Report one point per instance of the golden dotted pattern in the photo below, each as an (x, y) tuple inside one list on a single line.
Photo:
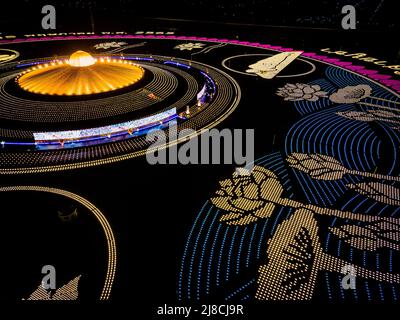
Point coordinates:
[(61, 78), (371, 237), (295, 257), (380, 192), (163, 84), (225, 102), (111, 245), (68, 291), (247, 198), (323, 167)]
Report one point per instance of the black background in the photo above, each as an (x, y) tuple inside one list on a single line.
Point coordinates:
[(151, 208)]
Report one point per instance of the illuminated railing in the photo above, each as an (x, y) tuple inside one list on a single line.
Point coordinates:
[(99, 135), (121, 131), (106, 132)]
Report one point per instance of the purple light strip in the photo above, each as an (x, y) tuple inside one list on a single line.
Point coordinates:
[(384, 79)]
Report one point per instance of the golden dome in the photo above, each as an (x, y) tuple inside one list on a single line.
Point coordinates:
[(80, 75), (81, 59)]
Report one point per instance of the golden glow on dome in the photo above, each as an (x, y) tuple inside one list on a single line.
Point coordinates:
[(80, 75), (81, 59)]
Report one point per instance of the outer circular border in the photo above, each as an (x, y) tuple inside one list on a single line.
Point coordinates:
[(111, 245), (9, 50)]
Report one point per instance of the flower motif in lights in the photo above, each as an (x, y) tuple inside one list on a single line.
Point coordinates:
[(357, 115), (246, 197), (301, 91), (292, 267), (317, 166), (385, 115), (351, 94), (371, 237), (253, 195), (296, 257), (323, 167), (380, 192), (190, 46)]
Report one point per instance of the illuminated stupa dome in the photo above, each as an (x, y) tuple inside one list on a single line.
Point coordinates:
[(81, 74), (81, 59)]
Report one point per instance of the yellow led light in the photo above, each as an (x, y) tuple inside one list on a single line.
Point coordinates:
[(108, 233), (81, 59), (80, 75)]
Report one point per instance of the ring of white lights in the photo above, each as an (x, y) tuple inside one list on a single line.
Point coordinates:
[(32, 154), (163, 84)]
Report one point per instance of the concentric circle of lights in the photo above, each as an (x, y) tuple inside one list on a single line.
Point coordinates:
[(192, 112), (81, 74)]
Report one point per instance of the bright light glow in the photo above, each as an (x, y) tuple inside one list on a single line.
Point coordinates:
[(80, 75), (81, 59), (82, 134)]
